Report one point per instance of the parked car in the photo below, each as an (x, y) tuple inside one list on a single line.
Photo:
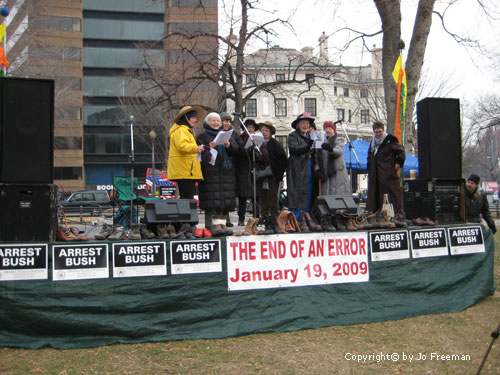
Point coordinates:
[(87, 201), (360, 197)]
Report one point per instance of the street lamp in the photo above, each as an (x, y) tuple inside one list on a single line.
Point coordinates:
[(152, 135)]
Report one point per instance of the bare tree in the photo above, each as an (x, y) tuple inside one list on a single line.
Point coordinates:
[(205, 68)]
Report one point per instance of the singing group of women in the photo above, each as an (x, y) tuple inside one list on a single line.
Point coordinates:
[(224, 172)]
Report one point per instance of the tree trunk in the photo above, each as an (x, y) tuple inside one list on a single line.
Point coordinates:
[(390, 15), (414, 63), (240, 58)]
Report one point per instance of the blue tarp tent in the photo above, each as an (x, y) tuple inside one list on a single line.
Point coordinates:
[(361, 148)]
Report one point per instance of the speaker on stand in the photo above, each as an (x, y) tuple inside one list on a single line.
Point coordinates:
[(27, 192), (439, 138)]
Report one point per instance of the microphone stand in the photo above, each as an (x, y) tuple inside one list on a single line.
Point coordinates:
[(132, 160), (253, 167), (351, 148)]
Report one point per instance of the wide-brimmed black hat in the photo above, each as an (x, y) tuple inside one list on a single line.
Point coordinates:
[(269, 125), (303, 116), (200, 112), (252, 122)]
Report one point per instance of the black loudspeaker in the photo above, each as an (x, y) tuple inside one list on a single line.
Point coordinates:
[(441, 200), (330, 204), (165, 211), (29, 213), (439, 138), (26, 130)]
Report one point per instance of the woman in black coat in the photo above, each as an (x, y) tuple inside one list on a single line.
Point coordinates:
[(300, 166), (217, 190), (244, 176), (274, 156)]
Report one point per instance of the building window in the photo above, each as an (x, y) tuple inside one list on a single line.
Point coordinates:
[(365, 114), (251, 108), (67, 173), (349, 114), (346, 92), (363, 93), (340, 114), (193, 3), (56, 53), (68, 143), (310, 106), (191, 27), (68, 83), (280, 77), (280, 107), (251, 78), (335, 90), (67, 112), (310, 78), (61, 23)]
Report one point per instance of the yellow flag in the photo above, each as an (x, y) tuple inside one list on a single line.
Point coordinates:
[(399, 76), (3, 28)]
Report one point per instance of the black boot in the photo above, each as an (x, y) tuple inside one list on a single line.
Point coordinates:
[(267, 226), (326, 223), (274, 225), (338, 221)]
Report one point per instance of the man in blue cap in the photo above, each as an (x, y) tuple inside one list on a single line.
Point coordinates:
[(476, 204)]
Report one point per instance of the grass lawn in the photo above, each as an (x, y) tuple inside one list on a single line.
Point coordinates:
[(426, 339)]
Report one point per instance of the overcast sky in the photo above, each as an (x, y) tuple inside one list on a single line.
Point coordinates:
[(470, 73)]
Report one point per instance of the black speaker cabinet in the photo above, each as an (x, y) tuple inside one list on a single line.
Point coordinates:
[(441, 200), (330, 204), (26, 130), (165, 211), (29, 213), (439, 138)]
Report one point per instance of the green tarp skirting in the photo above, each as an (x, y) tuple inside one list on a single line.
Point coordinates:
[(76, 314)]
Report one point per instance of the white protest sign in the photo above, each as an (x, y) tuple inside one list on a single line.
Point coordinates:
[(260, 262)]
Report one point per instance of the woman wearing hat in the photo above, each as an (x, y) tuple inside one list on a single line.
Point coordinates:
[(244, 179), (217, 193), (331, 163), (182, 167), (274, 157), (300, 166)]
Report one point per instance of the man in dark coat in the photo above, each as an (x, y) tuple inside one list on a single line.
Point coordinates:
[(476, 203), (386, 157)]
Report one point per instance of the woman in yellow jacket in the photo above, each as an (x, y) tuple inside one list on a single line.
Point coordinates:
[(183, 168)]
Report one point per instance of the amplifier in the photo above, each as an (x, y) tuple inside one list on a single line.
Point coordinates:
[(29, 212), (165, 211), (440, 199)]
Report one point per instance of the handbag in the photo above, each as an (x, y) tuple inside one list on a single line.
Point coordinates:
[(387, 206), (263, 173)]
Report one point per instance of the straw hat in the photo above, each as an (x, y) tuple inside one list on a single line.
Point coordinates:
[(269, 125), (199, 112)]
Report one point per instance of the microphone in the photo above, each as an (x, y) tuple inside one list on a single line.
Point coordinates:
[(236, 114), (338, 122)]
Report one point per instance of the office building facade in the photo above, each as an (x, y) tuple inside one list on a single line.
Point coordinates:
[(92, 48)]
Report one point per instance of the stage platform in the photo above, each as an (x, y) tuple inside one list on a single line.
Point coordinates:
[(88, 294)]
